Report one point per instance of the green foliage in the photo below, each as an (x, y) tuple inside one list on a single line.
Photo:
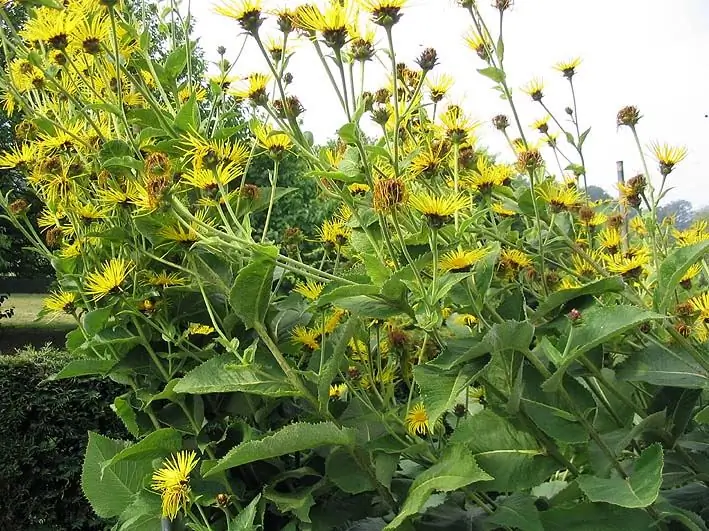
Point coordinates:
[(43, 434)]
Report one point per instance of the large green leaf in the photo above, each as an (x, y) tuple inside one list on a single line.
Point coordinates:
[(510, 335), (371, 307), (456, 469), (512, 456), (598, 325), (346, 473), (252, 289), (518, 512), (292, 438), (596, 517), (159, 443), (244, 521), (110, 491), (670, 366), (561, 297), (298, 502), (673, 268), (143, 514), (441, 390), (85, 367), (225, 375), (639, 490)]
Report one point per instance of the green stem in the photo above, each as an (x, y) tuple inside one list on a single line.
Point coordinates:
[(272, 199)]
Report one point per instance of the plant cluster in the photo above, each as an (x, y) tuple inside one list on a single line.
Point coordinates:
[(479, 345)]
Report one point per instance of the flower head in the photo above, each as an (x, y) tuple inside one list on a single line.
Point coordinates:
[(568, 68), (438, 209), (109, 279), (165, 280), (460, 260), (629, 266), (253, 88), (334, 232), (416, 421), (512, 261), (338, 391), (535, 89), (668, 156), (610, 240), (246, 12), (384, 13), (307, 337), (276, 143), (311, 290), (61, 302), (439, 86), (198, 329), (172, 481)]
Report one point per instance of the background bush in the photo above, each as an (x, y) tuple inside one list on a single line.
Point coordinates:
[(43, 434)]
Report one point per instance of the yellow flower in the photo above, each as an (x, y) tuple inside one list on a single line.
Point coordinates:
[(172, 481), (277, 143), (334, 232), (438, 209), (164, 279), (569, 282), (211, 180), (486, 176), (338, 391), (476, 42), (456, 124), (542, 124), (331, 23), (306, 337), (629, 266), (310, 290), (358, 188), (211, 153), (331, 322), (197, 329), (384, 12), (428, 161), (668, 156), (51, 26), (61, 302), (695, 234), (109, 280), (637, 225), (560, 198), (568, 67), (459, 260), (439, 86), (535, 89), (501, 210), (416, 420), (253, 88), (20, 156), (512, 261), (91, 34), (610, 240), (186, 93), (246, 12), (467, 319), (692, 272)]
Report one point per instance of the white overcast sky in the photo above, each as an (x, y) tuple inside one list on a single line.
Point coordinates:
[(648, 53)]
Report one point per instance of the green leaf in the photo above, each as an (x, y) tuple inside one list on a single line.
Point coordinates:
[(583, 136), (331, 367), (561, 297), (570, 139), (144, 514), (122, 408), (110, 492), (672, 367), (518, 512), (598, 325), (85, 367), (252, 289), (176, 62), (187, 118), (639, 490), (596, 517), (442, 390), (673, 268), (703, 416), (512, 456), (224, 375), (244, 521), (497, 75), (115, 148), (159, 443), (348, 133), (299, 502), (343, 292), (510, 335), (346, 473), (372, 308), (96, 320), (456, 469), (123, 162), (292, 438)]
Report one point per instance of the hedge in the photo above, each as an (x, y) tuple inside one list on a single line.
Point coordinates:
[(43, 432)]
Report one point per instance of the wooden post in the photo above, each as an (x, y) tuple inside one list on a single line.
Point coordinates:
[(623, 210)]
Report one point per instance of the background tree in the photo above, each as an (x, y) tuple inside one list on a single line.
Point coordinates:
[(681, 210)]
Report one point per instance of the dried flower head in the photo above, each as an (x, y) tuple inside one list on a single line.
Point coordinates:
[(629, 116)]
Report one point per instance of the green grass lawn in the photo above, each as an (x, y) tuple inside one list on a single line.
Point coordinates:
[(23, 328)]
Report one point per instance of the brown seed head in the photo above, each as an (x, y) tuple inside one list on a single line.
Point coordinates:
[(501, 122), (388, 194), (629, 116)]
